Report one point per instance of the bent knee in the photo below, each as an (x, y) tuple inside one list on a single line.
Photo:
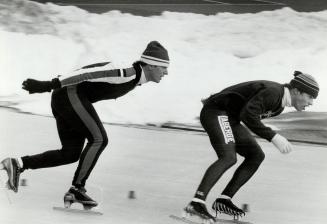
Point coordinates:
[(229, 160), (101, 141), (260, 157), (256, 158), (105, 141)]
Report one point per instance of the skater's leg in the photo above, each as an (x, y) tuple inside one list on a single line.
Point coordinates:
[(68, 154), (217, 126), (219, 130), (247, 147), (213, 174), (72, 144), (253, 157), (95, 132)]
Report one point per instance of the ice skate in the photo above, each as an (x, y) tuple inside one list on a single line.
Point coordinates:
[(198, 209), (226, 206), (79, 195), (13, 169)]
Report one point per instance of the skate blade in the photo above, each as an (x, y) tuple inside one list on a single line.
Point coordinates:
[(197, 217), (9, 187), (77, 211), (191, 219), (231, 220)]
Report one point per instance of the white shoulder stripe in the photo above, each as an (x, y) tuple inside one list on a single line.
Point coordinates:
[(114, 80)]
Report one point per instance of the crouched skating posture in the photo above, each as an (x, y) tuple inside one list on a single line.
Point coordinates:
[(221, 118), (77, 120)]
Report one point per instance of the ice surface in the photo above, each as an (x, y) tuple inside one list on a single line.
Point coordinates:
[(163, 168)]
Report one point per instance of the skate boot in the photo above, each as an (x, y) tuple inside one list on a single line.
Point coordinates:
[(13, 169), (79, 195), (199, 209), (226, 206)]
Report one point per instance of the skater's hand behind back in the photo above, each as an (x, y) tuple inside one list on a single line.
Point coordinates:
[(282, 144)]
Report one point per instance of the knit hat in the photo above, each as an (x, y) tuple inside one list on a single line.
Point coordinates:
[(305, 83), (155, 54)]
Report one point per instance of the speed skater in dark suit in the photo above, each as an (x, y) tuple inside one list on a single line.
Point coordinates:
[(77, 119), (221, 118)]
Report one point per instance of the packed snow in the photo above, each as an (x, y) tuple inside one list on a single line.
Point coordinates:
[(207, 53)]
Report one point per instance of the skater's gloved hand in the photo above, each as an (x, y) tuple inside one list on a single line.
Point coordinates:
[(282, 144), (36, 86)]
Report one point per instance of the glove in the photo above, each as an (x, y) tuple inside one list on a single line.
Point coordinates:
[(282, 144), (35, 86)]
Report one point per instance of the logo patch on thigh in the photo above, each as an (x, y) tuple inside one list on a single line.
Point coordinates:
[(226, 129)]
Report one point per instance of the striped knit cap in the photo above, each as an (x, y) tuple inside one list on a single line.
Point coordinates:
[(305, 83), (155, 54)]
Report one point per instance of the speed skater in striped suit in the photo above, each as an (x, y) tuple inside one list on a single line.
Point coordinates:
[(76, 118)]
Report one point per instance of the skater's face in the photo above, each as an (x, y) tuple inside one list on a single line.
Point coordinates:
[(301, 100), (154, 73)]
